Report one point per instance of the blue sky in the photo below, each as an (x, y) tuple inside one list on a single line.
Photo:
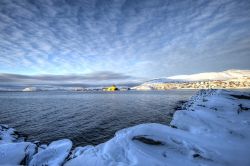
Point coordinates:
[(135, 39)]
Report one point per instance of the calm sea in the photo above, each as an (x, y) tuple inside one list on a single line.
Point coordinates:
[(85, 117)]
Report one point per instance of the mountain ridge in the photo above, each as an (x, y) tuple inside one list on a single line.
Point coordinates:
[(205, 76), (225, 79)]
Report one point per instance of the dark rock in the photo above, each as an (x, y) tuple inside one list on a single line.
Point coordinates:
[(171, 114), (241, 97), (241, 108), (164, 154), (145, 140), (173, 126), (179, 105), (196, 155), (204, 100)]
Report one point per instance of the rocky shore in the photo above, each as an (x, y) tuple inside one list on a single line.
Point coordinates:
[(212, 128)]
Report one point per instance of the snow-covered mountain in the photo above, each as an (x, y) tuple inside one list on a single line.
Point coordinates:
[(225, 75), (226, 79), (163, 80)]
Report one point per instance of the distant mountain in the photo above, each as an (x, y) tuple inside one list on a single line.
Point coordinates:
[(225, 75), (163, 80), (225, 79)]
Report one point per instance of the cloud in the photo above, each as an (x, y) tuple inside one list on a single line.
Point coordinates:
[(90, 79), (83, 36)]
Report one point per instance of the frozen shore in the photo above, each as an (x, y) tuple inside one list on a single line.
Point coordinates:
[(212, 128)]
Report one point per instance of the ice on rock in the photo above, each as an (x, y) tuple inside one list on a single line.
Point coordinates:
[(79, 150), (15, 153), (53, 155), (8, 135)]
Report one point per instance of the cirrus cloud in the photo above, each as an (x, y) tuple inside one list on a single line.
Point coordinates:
[(140, 38)]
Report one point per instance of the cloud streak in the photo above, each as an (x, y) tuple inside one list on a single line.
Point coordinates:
[(140, 38), (97, 78)]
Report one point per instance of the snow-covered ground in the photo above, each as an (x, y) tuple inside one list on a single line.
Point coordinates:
[(213, 128)]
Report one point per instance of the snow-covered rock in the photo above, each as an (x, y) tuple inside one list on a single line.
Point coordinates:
[(53, 155), (16, 153), (8, 135), (13, 149), (212, 129)]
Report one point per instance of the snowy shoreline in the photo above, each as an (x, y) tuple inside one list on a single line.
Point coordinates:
[(212, 128)]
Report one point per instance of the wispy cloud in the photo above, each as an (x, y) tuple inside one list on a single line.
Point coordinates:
[(148, 38)]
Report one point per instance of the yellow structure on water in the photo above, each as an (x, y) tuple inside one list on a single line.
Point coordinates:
[(111, 88)]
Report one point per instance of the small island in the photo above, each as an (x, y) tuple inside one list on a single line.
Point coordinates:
[(30, 89), (110, 88)]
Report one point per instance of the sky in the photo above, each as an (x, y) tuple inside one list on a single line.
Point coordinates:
[(120, 41)]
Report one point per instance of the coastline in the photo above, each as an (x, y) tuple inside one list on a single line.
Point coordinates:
[(29, 137), (153, 140)]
